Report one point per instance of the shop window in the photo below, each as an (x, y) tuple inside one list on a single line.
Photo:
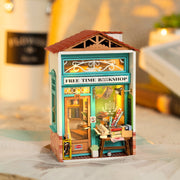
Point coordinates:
[(109, 102), (100, 65)]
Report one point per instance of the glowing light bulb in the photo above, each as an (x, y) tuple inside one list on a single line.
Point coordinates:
[(9, 6), (164, 32)]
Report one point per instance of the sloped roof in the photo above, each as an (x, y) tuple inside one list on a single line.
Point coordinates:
[(83, 35)]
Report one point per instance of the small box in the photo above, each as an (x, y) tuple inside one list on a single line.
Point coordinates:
[(126, 133)]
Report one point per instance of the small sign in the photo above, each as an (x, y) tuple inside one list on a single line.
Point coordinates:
[(26, 48), (93, 119), (78, 147), (96, 80), (67, 150)]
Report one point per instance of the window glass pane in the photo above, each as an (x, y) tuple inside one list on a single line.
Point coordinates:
[(109, 102), (53, 108), (53, 87), (100, 65), (53, 100), (53, 81)]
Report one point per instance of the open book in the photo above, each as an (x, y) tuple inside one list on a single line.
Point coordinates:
[(162, 62), (101, 130)]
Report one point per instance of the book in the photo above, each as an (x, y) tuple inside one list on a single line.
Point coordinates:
[(116, 136), (116, 139), (162, 102), (162, 62), (116, 129), (116, 133)]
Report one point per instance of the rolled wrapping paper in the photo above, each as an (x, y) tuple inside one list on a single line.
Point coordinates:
[(116, 116), (23, 35), (110, 121)]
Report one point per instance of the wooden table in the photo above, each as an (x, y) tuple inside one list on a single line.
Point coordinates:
[(126, 147)]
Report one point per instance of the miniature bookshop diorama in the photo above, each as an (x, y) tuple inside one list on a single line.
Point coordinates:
[(92, 86)]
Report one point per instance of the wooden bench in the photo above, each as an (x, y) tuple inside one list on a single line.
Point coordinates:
[(126, 147)]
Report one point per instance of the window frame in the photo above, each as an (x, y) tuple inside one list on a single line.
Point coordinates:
[(88, 57)]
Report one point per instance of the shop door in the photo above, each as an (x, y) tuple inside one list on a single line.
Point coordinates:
[(77, 123)]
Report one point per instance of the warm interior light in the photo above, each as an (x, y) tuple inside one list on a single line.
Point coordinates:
[(9, 5), (164, 32)]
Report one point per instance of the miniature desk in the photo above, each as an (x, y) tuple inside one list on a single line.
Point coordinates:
[(126, 147)]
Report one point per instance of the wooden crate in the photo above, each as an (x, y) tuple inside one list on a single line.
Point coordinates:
[(126, 133)]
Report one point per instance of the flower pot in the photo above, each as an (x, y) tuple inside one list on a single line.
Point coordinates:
[(94, 154)]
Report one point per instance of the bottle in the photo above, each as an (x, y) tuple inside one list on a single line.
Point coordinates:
[(23, 33)]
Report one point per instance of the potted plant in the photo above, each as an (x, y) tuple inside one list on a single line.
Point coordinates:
[(171, 22), (94, 151)]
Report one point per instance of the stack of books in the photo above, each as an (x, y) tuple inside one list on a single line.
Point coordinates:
[(116, 132)]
